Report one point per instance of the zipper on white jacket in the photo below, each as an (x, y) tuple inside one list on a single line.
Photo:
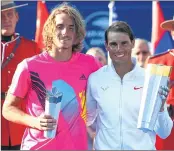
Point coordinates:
[(120, 115)]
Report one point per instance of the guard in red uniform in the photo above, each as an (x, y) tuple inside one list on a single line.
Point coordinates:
[(167, 58), (14, 49)]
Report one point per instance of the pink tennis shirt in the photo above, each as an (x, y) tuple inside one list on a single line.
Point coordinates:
[(34, 77)]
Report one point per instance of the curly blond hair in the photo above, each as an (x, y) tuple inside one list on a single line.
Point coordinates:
[(50, 26)]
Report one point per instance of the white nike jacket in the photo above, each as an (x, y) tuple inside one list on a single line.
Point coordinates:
[(116, 105)]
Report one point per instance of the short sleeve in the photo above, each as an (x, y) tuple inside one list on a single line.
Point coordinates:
[(20, 81)]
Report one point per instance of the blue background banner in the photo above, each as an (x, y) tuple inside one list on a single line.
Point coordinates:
[(138, 14)]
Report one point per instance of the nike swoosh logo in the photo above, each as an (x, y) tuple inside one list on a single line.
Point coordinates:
[(137, 88)]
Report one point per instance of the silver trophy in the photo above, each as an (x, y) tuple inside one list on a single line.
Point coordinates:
[(52, 107), (156, 76)]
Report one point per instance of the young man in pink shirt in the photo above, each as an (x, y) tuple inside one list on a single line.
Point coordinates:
[(62, 68)]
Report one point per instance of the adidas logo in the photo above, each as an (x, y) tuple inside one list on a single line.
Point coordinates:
[(83, 77)]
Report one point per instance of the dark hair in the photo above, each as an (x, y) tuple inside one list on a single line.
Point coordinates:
[(120, 26)]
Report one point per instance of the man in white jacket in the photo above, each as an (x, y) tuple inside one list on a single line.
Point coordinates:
[(114, 94)]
